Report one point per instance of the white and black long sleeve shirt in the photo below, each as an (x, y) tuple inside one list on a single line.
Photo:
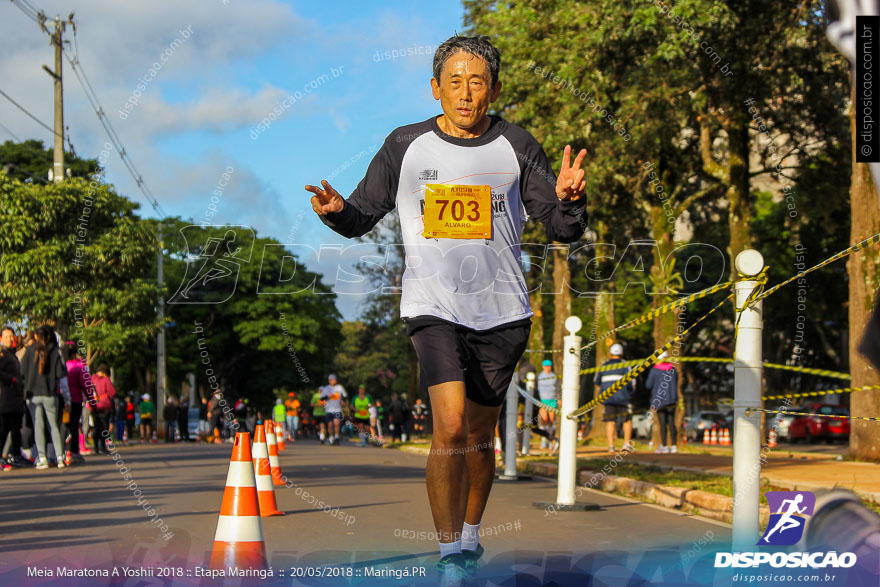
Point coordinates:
[(477, 283)]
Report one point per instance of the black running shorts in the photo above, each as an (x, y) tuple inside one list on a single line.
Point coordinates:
[(613, 412), (484, 359)]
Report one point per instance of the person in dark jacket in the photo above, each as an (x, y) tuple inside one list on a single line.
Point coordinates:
[(663, 384), (11, 400), (183, 420), (618, 405), (399, 411), (44, 374), (169, 412)]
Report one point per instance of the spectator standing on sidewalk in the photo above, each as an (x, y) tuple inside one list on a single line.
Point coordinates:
[(76, 382), (183, 420), (104, 394), (663, 384), (44, 373), (11, 401), (169, 412), (147, 411)]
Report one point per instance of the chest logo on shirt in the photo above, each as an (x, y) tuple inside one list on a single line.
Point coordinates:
[(428, 175)]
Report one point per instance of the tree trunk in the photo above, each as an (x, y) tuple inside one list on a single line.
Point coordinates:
[(536, 336), (604, 318), (562, 301), (664, 324), (738, 194), (864, 278)]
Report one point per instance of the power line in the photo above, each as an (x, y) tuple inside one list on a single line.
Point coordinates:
[(37, 120), (9, 132), (40, 17)]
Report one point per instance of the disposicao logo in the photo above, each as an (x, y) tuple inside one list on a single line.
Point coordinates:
[(786, 526)]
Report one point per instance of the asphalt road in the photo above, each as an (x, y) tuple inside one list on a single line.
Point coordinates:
[(88, 518)]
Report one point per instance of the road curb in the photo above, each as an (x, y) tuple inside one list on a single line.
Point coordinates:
[(709, 505)]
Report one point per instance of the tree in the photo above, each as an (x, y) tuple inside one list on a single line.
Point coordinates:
[(73, 254), (29, 162)]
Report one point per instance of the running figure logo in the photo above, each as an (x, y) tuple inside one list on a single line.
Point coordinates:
[(786, 525), (213, 266)]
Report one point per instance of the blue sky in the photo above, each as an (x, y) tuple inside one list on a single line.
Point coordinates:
[(194, 116)]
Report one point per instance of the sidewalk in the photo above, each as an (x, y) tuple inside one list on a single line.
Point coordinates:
[(806, 471)]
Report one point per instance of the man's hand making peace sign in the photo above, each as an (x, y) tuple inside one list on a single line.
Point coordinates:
[(570, 184)]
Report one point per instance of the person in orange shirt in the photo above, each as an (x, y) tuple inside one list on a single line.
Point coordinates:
[(292, 405)]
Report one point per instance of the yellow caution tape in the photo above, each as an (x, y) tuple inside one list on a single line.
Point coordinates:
[(644, 365), (871, 240), (671, 359), (661, 310), (823, 392), (835, 416)]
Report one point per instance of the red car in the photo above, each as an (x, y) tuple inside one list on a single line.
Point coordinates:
[(812, 428)]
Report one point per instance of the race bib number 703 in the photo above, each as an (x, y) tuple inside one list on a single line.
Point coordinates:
[(458, 211)]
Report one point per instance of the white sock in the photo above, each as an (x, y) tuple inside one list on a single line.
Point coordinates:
[(450, 548), (321, 435), (470, 536), (403, 439)]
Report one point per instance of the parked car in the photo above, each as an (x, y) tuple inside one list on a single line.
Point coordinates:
[(702, 420), (643, 422), (812, 428), (782, 423), (193, 423)]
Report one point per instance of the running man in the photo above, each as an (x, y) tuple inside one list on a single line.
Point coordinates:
[(334, 394), (463, 184), (548, 388), (786, 521), (361, 405), (319, 414)]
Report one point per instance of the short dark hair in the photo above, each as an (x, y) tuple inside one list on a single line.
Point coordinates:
[(103, 368), (478, 46), (9, 328)]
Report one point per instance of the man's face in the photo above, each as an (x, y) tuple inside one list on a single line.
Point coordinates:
[(464, 90), (547, 368), (332, 381), (6, 338)]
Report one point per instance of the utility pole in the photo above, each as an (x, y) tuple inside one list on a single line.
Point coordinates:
[(161, 379), (56, 39)]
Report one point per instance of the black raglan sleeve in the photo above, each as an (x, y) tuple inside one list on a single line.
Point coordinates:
[(374, 196), (563, 221)]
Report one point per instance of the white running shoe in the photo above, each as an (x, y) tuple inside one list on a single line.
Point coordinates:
[(673, 449), (661, 450), (42, 463)]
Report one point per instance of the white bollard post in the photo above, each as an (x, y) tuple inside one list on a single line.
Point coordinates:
[(571, 364), (512, 402), (747, 394), (528, 415)]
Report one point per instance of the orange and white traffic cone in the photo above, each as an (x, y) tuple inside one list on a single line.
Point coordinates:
[(238, 541), (771, 442), (263, 472), (725, 437), (713, 437), (274, 463), (706, 439), (279, 436)]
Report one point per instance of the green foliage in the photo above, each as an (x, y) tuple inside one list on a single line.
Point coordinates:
[(30, 161)]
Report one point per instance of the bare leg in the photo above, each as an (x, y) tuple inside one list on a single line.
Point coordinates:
[(480, 457), (446, 474), (627, 431), (610, 431)]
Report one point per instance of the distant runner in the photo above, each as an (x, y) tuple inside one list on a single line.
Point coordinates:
[(548, 388), (335, 394), (463, 184), (319, 414), (361, 405)]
